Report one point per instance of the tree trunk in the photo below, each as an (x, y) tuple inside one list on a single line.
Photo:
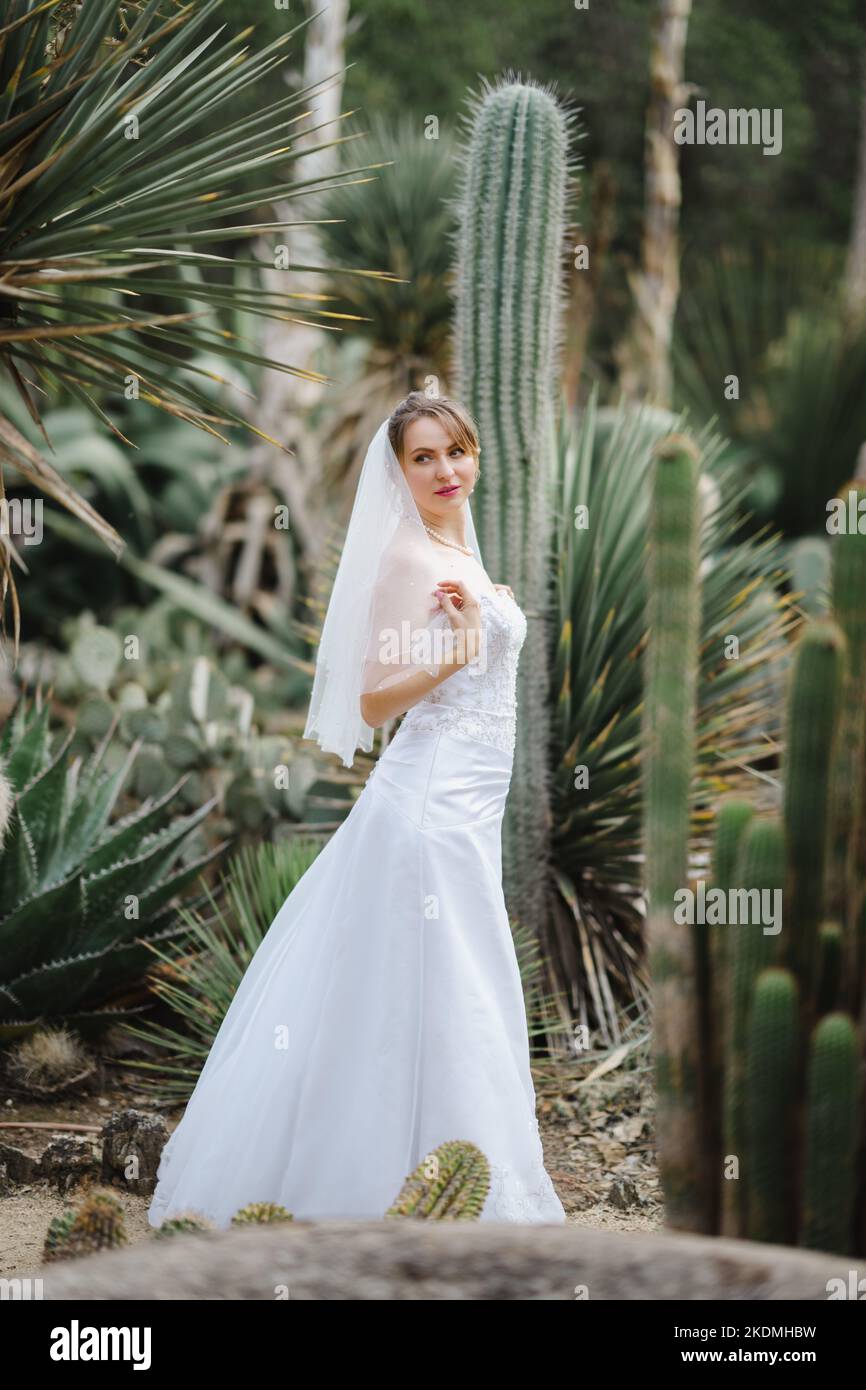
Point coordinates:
[(855, 268), (285, 401), (645, 356)]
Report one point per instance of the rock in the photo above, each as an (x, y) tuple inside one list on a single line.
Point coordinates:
[(422, 1260), (622, 1193), (67, 1160), (132, 1144), (16, 1166)]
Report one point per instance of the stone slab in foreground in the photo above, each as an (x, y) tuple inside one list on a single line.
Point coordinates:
[(394, 1260)]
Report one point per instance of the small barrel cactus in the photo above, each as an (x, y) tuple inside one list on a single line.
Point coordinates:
[(261, 1214), (97, 1224), (449, 1184), (186, 1223)]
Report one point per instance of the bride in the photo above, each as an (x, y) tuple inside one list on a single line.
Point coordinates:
[(383, 1011)]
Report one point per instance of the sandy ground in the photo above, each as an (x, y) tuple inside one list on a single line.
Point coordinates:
[(598, 1149)]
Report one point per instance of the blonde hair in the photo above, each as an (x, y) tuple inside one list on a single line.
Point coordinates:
[(452, 415)]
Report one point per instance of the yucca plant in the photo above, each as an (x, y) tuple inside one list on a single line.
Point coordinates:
[(121, 160), (202, 971), (605, 466), (81, 894)]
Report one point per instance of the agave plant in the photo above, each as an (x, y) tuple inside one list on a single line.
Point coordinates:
[(121, 165), (81, 896), (604, 466)]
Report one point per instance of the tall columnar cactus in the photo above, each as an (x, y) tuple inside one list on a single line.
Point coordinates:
[(770, 1113), (732, 823), (831, 1135), (512, 198), (830, 938), (794, 1095), (846, 863), (760, 868), (813, 706), (669, 750), (449, 1184)]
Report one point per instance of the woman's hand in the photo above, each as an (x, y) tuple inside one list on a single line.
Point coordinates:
[(504, 588), (463, 612)]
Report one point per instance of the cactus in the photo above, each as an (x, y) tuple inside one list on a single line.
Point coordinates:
[(96, 655), (732, 824), (793, 1094), (668, 732), (187, 1223), (829, 967), (261, 1214), (846, 863), (97, 1224), (770, 1111), (57, 1236), (514, 183), (760, 866), (812, 712), (449, 1184), (201, 725), (831, 1136)]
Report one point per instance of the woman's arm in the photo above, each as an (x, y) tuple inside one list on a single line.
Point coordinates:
[(377, 706)]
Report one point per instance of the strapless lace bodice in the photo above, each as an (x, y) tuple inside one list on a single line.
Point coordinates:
[(480, 701)]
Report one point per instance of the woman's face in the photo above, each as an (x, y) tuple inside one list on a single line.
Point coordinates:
[(440, 475)]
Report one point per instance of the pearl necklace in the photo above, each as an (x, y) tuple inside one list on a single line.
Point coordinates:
[(467, 550)]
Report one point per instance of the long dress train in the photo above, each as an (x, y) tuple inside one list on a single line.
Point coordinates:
[(383, 1012)]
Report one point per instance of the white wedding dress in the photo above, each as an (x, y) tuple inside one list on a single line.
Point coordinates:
[(383, 1012)]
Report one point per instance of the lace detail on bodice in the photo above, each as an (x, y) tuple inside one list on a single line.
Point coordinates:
[(480, 700)]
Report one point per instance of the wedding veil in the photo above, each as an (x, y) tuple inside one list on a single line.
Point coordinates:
[(382, 615)]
